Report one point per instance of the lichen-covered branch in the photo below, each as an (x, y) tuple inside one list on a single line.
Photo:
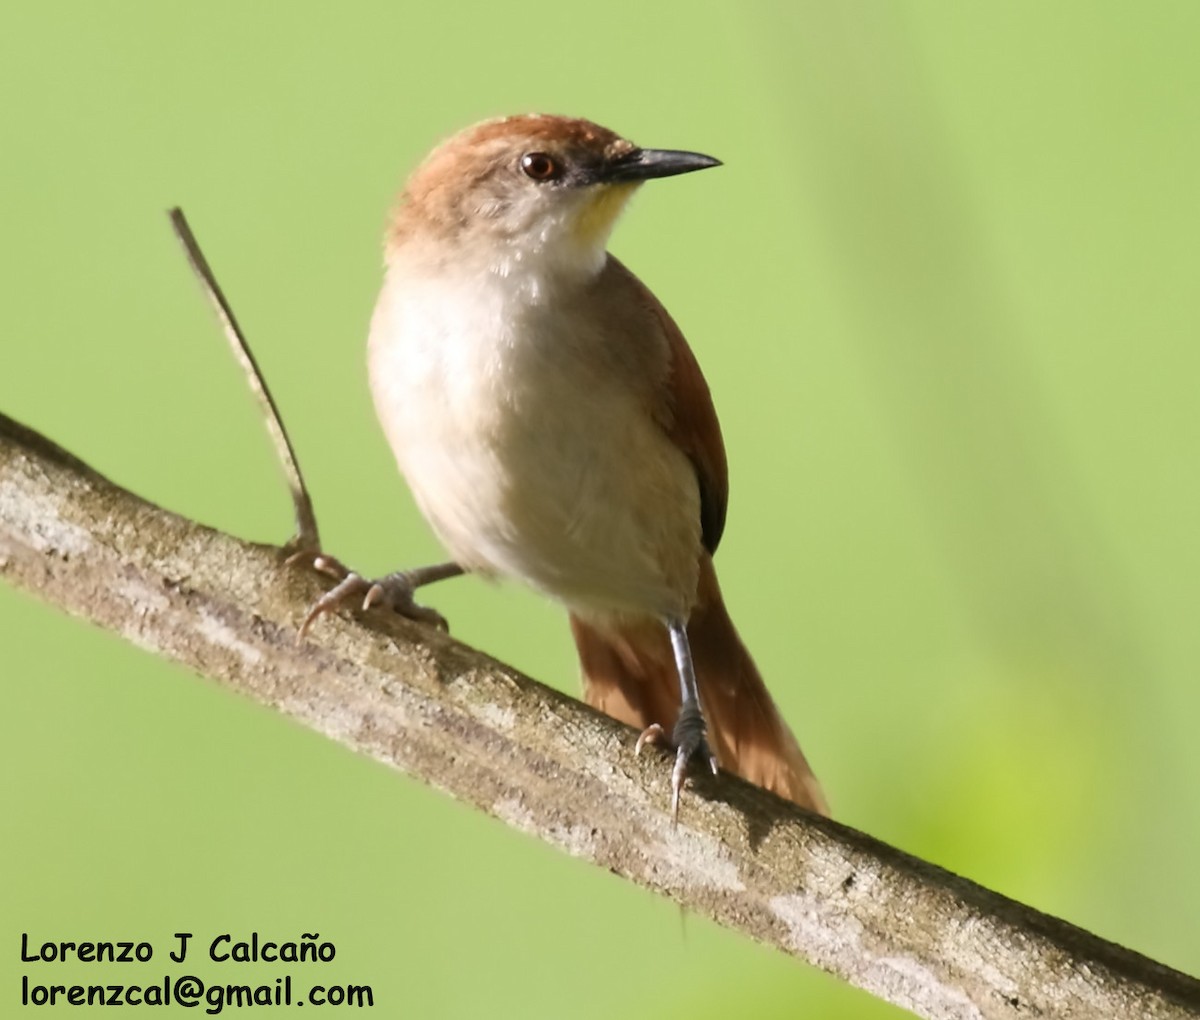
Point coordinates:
[(418, 701)]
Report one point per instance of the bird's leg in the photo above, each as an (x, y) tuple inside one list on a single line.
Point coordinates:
[(690, 728), (394, 591)]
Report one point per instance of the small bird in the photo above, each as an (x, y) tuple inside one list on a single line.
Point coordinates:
[(554, 427)]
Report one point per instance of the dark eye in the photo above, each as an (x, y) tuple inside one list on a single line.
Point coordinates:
[(540, 167)]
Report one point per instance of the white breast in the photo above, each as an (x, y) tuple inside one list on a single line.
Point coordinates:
[(524, 447)]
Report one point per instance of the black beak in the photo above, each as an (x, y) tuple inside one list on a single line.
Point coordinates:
[(643, 164)]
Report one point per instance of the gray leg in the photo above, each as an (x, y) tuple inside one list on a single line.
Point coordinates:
[(690, 727)]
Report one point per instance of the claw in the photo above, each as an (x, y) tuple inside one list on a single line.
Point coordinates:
[(319, 561), (328, 565), (347, 587), (689, 741)]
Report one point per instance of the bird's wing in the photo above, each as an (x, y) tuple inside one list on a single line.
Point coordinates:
[(684, 408)]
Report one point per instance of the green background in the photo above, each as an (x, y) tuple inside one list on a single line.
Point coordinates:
[(946, 293)]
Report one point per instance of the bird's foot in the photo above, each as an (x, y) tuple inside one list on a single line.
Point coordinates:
[(689, 741), (393, 591)]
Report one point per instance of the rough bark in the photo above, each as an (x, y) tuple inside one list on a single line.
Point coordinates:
[(898, 927)]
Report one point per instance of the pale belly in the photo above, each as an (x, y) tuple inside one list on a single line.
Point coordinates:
[(538, 468)]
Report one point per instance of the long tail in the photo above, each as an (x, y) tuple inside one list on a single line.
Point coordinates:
[(629, 673)]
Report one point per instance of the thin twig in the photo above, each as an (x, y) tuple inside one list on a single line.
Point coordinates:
[(411, 697), (307, 536)]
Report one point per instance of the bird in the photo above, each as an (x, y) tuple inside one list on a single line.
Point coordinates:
[(554, 427)]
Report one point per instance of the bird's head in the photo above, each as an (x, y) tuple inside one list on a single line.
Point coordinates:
[(534, 190)]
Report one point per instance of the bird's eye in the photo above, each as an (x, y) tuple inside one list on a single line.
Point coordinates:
[(540, 167)]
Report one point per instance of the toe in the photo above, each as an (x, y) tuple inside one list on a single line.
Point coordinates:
[(652, 734), (678, 775), (349, 586)]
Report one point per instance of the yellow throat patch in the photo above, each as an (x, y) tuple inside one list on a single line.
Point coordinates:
[(596, 219)]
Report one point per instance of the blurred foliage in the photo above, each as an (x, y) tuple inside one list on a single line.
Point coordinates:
[(944, 291)]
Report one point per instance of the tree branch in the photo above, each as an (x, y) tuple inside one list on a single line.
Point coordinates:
[(902, 929)]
